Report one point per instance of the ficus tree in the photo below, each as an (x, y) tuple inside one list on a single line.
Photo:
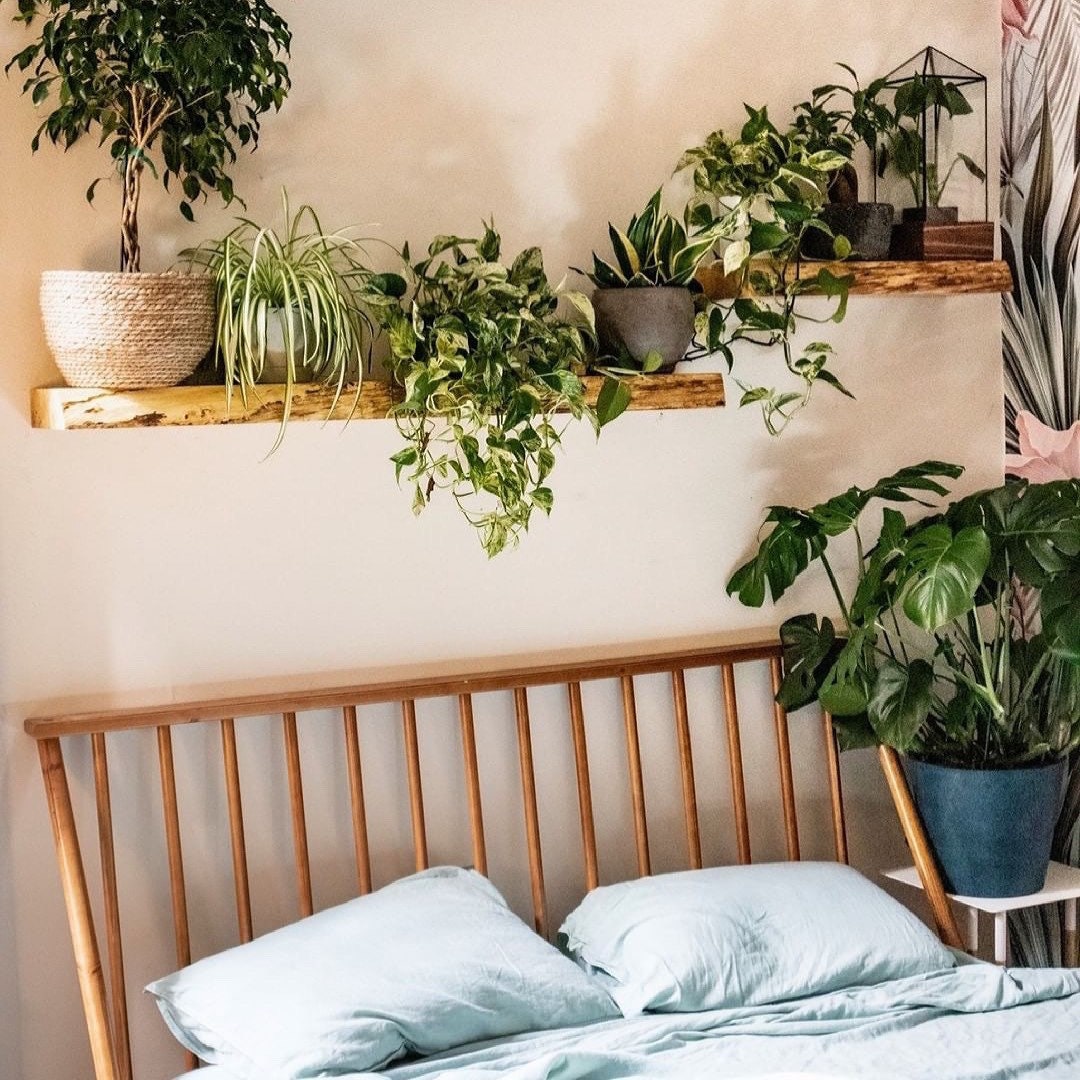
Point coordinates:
[(170, 86)]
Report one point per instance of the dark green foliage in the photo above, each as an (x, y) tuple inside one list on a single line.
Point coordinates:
[(947, 650), (759, 194), (485, 362), (655, 250), (169, 85), (904, 147)]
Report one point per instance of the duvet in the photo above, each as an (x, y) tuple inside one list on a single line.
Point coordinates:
[(974, 1022)]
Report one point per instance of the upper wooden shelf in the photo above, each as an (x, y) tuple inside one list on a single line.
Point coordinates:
[(67, 408), (955, 277)]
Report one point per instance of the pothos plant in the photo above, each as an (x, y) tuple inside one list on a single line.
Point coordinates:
[(941, 651), (485, 363), (760, 192), (173, 88)]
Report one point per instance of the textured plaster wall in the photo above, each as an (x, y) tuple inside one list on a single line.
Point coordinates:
[(153, 559)]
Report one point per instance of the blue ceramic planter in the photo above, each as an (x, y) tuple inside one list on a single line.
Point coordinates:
[(991, 829)]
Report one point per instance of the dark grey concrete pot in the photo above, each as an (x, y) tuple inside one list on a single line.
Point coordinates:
[(867, 227), (991, 829), (636, 322), (932, 215)]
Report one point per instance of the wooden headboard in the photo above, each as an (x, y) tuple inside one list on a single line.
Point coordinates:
[(106, 999)]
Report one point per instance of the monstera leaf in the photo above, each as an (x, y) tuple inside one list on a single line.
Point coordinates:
[(901, 702), (845, 690), (809, 647), (1059, 606), (942, 573)]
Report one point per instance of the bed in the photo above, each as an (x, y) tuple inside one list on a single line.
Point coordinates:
[(973, 1020)]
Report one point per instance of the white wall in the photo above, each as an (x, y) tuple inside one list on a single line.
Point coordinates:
[(149, 559)]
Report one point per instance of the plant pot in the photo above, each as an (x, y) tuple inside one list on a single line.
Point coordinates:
[(866, 226), (930, 241), (991, 829), (637, 322), (276, 362), (127, 331), (931, 215)]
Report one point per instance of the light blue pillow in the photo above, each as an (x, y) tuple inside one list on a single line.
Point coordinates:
[(745, 935), (425, 964)]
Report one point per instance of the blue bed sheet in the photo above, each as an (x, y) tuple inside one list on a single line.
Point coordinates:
[(974, 1022)]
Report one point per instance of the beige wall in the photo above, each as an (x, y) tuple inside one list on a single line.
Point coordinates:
[(148, 559)]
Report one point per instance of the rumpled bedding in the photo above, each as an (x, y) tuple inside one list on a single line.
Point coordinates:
[(973, 1022)]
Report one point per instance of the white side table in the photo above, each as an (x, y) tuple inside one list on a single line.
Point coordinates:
[(1062, 886)]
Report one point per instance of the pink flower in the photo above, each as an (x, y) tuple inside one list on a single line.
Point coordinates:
[(1045, 453), (1014, 15)]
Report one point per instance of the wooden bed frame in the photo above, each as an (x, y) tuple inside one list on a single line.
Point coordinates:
[(105, 1000)]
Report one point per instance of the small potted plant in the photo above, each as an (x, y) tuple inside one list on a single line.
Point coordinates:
[(172, 89), (826, 122), (931, 94), (485, 363), (291, 304), (944, 655), (644, 298), (760, 192)]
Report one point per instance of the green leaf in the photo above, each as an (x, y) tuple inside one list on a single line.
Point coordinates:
[(392, 285), (976, 170), (807, 644), (652, 361), (612, 401), (767, 236), (900, 702), (942, 573), (625, 254)]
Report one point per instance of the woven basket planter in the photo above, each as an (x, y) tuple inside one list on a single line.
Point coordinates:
[(126, 331)]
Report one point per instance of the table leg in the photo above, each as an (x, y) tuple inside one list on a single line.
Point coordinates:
[(1001, 938), (1072, 935), (973, 931)]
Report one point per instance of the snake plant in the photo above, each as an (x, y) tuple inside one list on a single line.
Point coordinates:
[(655, 250)]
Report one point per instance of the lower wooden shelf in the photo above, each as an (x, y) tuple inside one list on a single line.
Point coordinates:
[(67, 408)]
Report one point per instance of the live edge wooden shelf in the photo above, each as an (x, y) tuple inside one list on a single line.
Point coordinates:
[(67, 408), (951, 278)]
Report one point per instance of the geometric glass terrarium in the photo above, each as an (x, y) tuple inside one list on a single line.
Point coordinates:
[(934, 158)]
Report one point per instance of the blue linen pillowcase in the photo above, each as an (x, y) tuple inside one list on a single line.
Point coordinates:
[(425, 964), (746, 935)]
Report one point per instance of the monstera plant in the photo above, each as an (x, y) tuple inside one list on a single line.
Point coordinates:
[(959, 645)]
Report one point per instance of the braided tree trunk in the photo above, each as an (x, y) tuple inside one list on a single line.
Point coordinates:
[(129, 217)]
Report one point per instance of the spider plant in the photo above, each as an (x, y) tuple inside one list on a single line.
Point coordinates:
[(310, 281)]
